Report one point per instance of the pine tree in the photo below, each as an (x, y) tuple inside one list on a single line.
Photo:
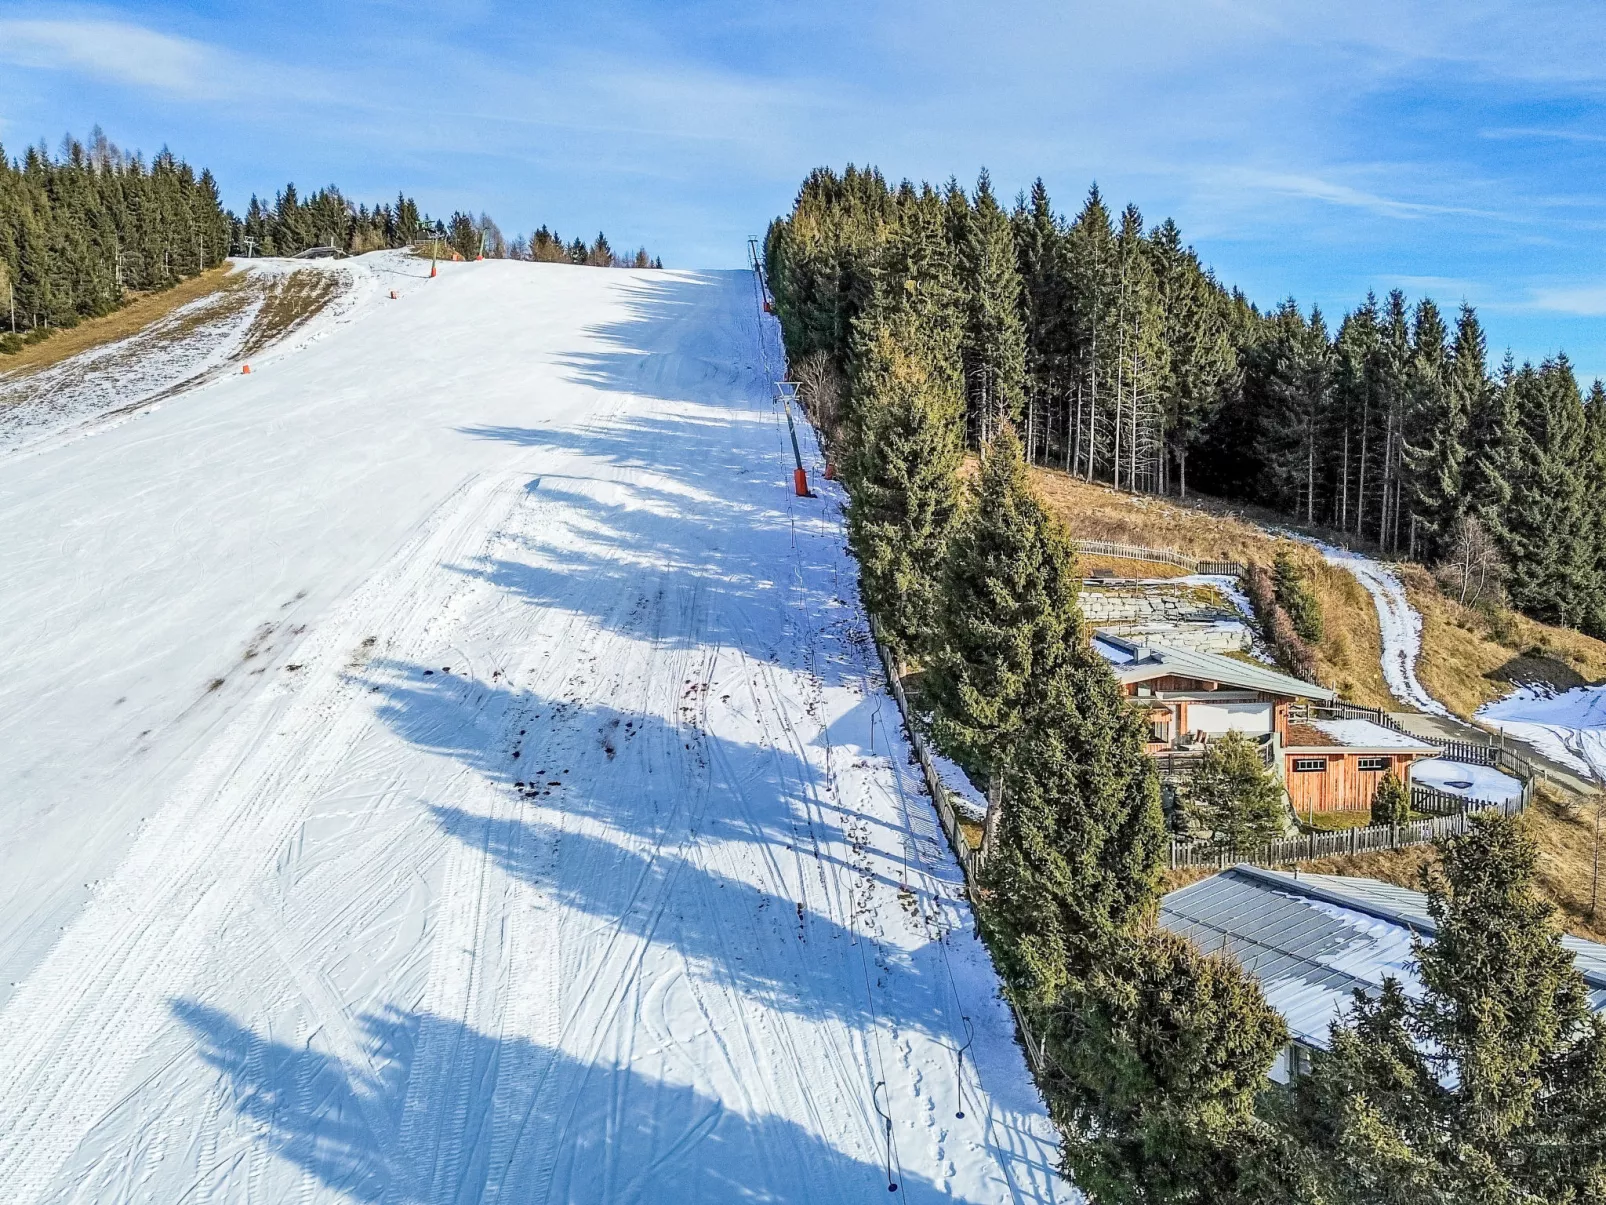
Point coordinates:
[(1200, 364), (1009, 621), (1295, 376), (1435, 439), (1039, 252), (1390, 802), (1294, 595), (1082, 840), (1235, 796), (1160, 1056), (1545, 527), (1092, 293)]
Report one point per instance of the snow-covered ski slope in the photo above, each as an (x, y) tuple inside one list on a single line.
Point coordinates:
[(447, 765)]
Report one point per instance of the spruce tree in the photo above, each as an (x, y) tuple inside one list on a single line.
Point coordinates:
[(1009, 623), (1435, 441), (1235, 796), (1200, 364), (1489, 1085), (903, 474), (1295, 375), (1160, 1057), (994, 345), (1545, 527), (1082, 841), (1391, 803)]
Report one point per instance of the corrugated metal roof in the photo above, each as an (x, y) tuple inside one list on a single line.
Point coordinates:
[(1134, 662), (1313, 940)]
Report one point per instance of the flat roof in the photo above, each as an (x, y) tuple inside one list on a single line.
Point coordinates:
[(1313, 940), (1134, 662), (1353, 735)]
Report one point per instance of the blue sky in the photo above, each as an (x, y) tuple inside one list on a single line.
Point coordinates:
[(1312, 149)]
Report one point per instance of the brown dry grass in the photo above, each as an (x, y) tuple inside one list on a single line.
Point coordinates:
[(1183, 876), (290, 302), (143, 310), (1470, 658), (1349, 656), (1121, 567)]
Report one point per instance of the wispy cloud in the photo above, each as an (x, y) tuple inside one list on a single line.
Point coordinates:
[(1584, 301), (121, 52), (1317, 188), (1540, 133)]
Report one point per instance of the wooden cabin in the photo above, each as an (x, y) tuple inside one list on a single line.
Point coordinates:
[(1191, 697), (1335, 765)]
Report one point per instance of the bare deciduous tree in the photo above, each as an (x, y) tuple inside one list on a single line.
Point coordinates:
[(1474, 568), (822, 389)]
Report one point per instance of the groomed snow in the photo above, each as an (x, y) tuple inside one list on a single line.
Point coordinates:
[(437, 768), (1399, 622), (1569, 727)]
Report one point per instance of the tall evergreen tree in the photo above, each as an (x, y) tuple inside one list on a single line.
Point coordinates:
[(1545, 524), (1434, 438), (1491, 1084), (994, 346), (1082, 841), (1296, 380), (1161, 1054), (903, 471), (1009, 624)]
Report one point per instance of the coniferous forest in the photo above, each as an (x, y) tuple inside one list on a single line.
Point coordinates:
[(920, 323), (1121, 358), (83, 229)]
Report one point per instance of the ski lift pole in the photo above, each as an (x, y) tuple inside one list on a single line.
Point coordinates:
[(787, 390)]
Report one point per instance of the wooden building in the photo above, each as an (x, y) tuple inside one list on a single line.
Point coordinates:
[(1191, 698), (1335, 765)]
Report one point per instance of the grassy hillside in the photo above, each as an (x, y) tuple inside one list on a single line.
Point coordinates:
[(139, 313), (1471, 657), (1350, 653)]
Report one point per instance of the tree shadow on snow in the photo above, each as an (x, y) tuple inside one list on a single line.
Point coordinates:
[(664, 801), (506, 1118)]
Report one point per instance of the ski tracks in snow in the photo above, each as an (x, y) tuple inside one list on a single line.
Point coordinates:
[(577, 861)]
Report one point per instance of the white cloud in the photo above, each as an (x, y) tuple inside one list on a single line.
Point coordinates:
[(1586, 301), (121, 52)]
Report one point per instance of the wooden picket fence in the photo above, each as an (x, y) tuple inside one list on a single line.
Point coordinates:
[(1163, 556), (1310, 846), (1448, 814)]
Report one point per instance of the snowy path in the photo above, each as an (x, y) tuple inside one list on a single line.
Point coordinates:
[(449, 766), (1399, 622)]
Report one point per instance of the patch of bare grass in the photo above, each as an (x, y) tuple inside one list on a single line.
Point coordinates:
[(290, 302), (142, 311), (1090, 563), (1472, 657)]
